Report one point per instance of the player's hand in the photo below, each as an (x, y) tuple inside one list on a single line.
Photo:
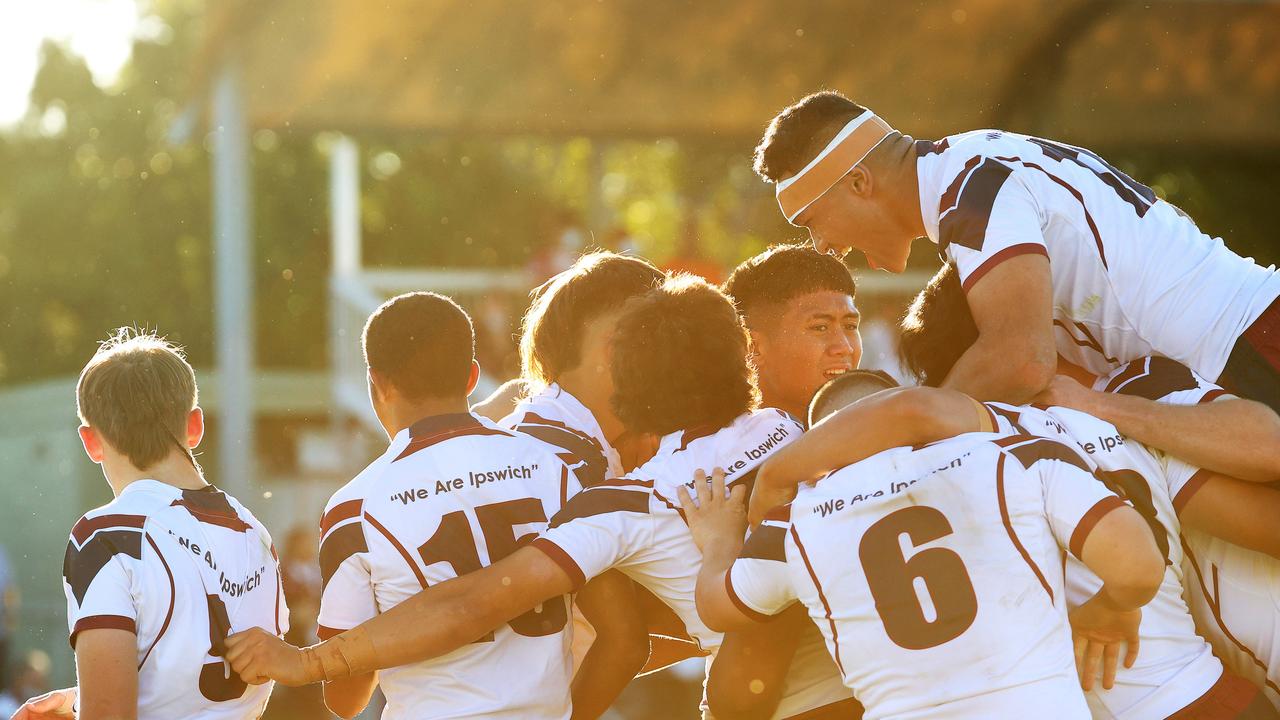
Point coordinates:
[(767, 495), (1099, 631), (259, 656), (717, 516), (54, 705), (1064, 391)]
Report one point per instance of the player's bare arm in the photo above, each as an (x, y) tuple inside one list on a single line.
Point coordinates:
[(501, 401), (621, 645), (348, 697), (434, 622), (107, 665), (1208, 435), (888, 419), (1242, 513), (747, 676), (1014, 356), (1121, 551), (53, 705), (718, 524)]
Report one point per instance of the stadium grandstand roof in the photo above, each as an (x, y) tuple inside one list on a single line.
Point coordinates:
[(1100, 72)]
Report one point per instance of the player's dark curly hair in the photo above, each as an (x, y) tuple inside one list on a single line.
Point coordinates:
[(799, 132), (766, 282), (423, 344), (599, 282), (680, 360), (938, 328)]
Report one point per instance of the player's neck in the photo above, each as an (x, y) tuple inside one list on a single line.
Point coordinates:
[(595, 400), (176, 470), (905, 186), (768, 399), (401, 415)]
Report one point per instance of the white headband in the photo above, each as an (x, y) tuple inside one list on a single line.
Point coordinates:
[(849, 147)]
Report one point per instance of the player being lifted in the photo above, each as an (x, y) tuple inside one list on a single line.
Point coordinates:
[(971, 626), (703, 411), (1055, 248), (453, 492), (157, 578)]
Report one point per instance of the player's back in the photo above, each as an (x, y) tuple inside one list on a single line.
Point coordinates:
[(934, 575), (181, 569), (1176, 665), (452, 494), (1132, 274)]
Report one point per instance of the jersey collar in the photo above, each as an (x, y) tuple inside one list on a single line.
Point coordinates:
[(928, 169)]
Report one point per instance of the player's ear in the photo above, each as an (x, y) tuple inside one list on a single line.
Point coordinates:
[(860, 181), (195, 427), (474, 377), (92, 442), (377, 385), (753, 345)]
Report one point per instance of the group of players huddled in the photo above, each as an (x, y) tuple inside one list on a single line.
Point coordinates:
[(1072, 516)]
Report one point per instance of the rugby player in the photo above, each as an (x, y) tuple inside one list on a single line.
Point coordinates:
[(157, 578), (453, 492), (704, 412), (1055, 248), (972, 626)]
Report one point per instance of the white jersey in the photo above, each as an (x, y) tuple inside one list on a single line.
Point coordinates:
[(181, 569), (555, 416), (1175, 666), (934, 575), (1132, 275), (452, 493), (1234, 593), (635, 524)]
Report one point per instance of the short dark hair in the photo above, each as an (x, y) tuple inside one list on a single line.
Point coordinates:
[(423, 344), (562, 307), (137, 392), (938, 328), (796, 135), (782, 273), (680, 360), (844, 390)]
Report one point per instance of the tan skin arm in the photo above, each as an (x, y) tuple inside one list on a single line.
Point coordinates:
[(749, 670), (1216, 508), (621, 646), (887, 419), (1013, 358), (107, 666), (1208, 435), (502, 401), (348, 697), (436, 621)]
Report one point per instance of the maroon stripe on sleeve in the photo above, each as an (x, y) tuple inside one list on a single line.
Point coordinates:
[(324, 633), (338, 513), (780, 513), (564, 560), (1189, 490), (88, 526), (1005, 254), (1090, 519), (826, 606), (422, 443), (1008, 526), (1093, 227), (173, 596), (737, 601), (102, 622), (1133, 370), (1212, 395)]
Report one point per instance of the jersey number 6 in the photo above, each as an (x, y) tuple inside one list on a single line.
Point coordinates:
[(893, 579)]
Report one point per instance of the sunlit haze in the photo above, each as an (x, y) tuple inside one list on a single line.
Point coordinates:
[(100, 31)]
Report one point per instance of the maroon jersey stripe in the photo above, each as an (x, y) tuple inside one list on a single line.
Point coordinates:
[(422, 580), (990, 263), (826, 606), (1008, 526), (564, 560), (1192, 487), (88, 526), (102, 622), (338, 513), (1090, 519), (738, 603), (173, 597)]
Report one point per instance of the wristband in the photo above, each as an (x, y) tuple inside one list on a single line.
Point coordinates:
[(342, 656)]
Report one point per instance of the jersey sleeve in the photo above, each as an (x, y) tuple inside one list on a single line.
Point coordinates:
[(1074, 502), (986, 216), (1162, 380), (759, 583), (99, 573), (599, 528), (580, 452), (346, 595), (763, 434)]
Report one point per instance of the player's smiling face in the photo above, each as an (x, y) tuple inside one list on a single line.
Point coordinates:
[(810, 340)]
